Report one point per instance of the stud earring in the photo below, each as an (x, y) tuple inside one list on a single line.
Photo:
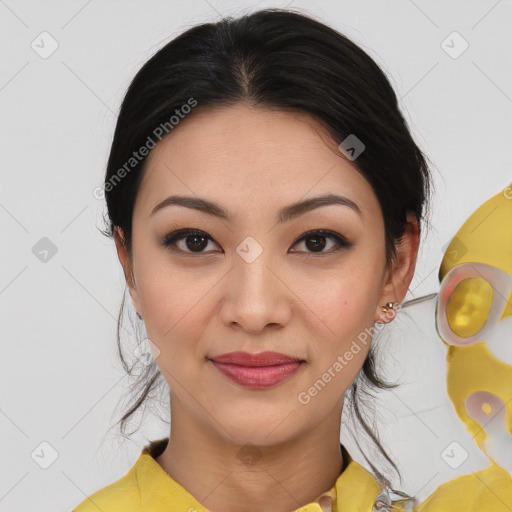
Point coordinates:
[(390, 305), (394, 307)]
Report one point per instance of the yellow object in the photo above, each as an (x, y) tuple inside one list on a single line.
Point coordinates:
[(488, 490), (485, 237), (468, 306)]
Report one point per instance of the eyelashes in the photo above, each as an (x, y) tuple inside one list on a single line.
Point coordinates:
[(201, 239)]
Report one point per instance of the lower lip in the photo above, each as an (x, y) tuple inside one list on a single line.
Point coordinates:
[(258, 377)]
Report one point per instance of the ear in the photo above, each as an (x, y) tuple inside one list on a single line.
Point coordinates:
[(399, 276), (126, 263)]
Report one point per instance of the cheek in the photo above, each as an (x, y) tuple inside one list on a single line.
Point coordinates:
[(341, 300), (163, 289), (173, 325), (175, 302), (339, 310), (172, 309), (164, 295)]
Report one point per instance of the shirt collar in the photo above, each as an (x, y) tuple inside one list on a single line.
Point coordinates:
[(355, 489)]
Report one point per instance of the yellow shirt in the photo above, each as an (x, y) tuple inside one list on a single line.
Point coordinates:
[(148, 488)]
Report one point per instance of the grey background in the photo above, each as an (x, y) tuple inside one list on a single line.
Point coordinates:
[(60, 379)]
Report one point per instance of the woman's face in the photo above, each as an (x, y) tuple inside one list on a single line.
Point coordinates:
[(254, 284)]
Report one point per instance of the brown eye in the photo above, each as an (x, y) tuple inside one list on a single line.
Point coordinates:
[(195, 241), (315, 241)]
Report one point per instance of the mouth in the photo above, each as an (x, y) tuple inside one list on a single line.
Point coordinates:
[(259, 377), (257, 370)]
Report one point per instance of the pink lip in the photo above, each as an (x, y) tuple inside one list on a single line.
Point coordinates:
[(258, 371), (258, 376)]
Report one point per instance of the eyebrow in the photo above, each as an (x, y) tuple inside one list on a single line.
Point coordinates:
[(286, 214)]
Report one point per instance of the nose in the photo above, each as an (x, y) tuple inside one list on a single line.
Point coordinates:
[(256, 295)]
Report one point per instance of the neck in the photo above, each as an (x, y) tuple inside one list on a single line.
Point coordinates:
[(229, 476)]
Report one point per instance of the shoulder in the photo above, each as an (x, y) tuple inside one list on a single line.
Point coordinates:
[(123, 495), (127, 493)]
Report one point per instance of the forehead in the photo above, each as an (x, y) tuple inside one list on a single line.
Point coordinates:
[(250, 156)]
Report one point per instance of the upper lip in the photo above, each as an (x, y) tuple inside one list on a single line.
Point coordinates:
[(260, 359)]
